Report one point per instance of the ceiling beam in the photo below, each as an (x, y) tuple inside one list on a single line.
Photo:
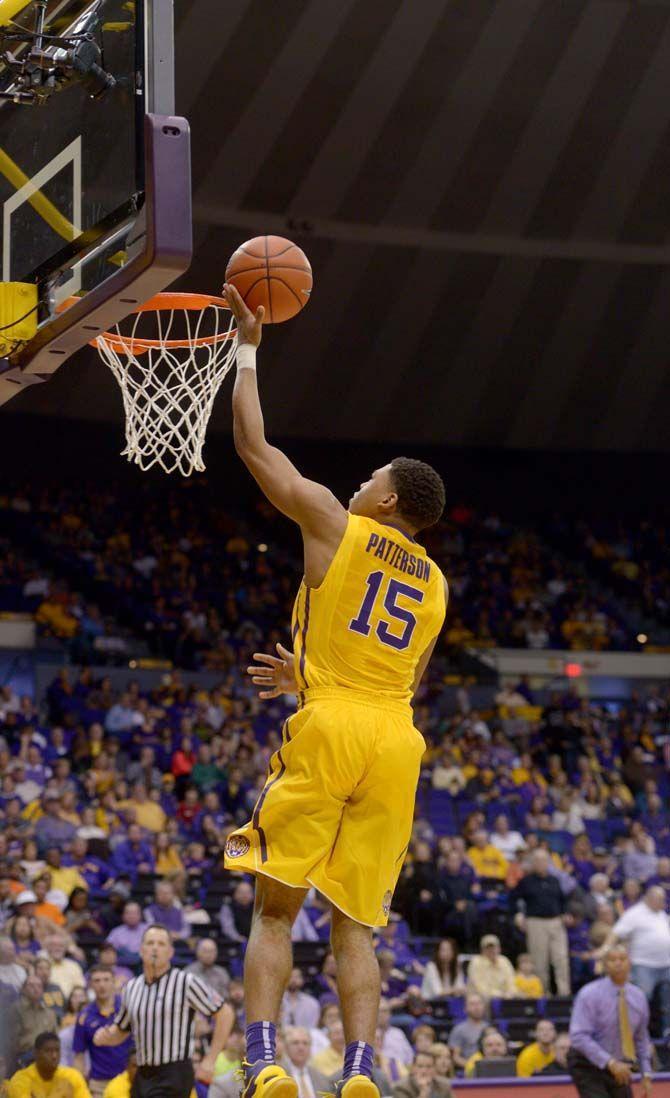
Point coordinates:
[(257, 221)]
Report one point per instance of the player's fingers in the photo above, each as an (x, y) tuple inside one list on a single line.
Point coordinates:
[(266, 695), (262, 680), (284, 653), (265, 657), (260, 314)]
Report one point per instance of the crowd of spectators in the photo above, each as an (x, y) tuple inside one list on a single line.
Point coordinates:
[(532, 840), (178, 576)]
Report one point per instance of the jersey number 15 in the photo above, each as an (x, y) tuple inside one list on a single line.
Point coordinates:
[(394, 591)]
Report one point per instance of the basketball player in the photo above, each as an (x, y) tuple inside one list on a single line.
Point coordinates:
[(337, 809)]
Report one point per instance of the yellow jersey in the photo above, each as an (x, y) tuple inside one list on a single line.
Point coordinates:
[(66, 1083), (367, 624)]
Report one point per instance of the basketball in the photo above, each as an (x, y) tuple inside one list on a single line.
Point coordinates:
[(273, 272)]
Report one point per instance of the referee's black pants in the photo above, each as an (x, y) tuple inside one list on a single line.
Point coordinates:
[(594, 1082), (173, 1080)]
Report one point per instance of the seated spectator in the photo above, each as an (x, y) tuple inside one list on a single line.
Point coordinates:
[(326, 980), (53, 996), (491, 974), (447, 774), (298, 1008), (444, 1063), (127, 938), (144, 810), (63, 878), (46, 908), (296, 1063), (166, 911), (640, 860), (394, 1042), (50, 828), (108, 956), (133, 855), (66, 973), (465, 1036), (487, 861), (12, 974), (79, 919), (559, 1064), (526, 981), (75, 1001), (205, 966), (167, 858), (96, 873), (392, 1069), (22, 934), (121, 1085), (30, 1016), (444, 974), (505, 840), (330, 1060), (631, 893), (492, 1046), (422, 1081), (319, 1035), (235, 917), (393, 980), (536, 1056), (46, 1076)]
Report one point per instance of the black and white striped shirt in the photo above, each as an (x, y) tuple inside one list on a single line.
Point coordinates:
[(161, 1014)]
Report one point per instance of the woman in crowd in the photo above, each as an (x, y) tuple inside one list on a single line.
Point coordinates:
[(443, 975)]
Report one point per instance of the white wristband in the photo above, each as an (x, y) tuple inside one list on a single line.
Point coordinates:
[(246, 356)]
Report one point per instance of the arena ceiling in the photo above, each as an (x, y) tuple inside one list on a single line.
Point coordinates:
[(482, 188)]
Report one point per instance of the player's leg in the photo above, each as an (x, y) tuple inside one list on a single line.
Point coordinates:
[(358, 980), (269, 955), (267, 967), (360, 872)]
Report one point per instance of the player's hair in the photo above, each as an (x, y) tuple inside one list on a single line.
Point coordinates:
[(44, 1039), (420, 490)]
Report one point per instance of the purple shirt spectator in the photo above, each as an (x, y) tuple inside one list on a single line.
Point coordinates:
[(127, 939), (594, 1028), (132, 854)]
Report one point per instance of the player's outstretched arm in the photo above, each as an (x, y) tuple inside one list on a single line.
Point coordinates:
[(311, 505)]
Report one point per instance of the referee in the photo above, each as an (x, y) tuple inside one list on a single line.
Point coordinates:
[(158, 1008)]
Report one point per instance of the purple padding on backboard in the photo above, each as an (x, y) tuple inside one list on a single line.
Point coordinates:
[(167, 253)]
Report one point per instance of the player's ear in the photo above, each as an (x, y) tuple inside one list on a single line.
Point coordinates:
[(389, 503)]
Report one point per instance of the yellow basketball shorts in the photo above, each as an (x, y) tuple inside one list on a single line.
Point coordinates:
[(336, 811)]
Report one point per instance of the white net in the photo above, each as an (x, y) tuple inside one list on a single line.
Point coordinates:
[(169, 364)]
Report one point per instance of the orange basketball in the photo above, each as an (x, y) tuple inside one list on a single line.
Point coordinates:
[(274, 272)]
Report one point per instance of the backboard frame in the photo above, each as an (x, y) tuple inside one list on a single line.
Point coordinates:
[(159, 235)]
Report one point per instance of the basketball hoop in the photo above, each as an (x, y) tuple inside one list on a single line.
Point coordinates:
[(169, 363)]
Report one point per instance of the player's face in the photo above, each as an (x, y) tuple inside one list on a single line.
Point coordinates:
[(372, 492)]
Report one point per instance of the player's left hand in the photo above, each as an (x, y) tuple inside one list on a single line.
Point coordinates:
[(249, 326), (204, 1072), (274, 674)]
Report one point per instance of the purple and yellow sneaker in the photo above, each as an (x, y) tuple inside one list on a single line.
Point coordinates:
[(264, 1080), (357, 1086)]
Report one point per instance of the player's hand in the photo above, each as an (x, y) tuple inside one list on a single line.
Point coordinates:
[(249, 327), (621, 1072), (274, 674), (101, 1037)]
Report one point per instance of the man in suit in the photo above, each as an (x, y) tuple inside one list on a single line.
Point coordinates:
[(310, 1080)]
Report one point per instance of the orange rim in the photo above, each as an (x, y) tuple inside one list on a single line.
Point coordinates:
[(189, 302)]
